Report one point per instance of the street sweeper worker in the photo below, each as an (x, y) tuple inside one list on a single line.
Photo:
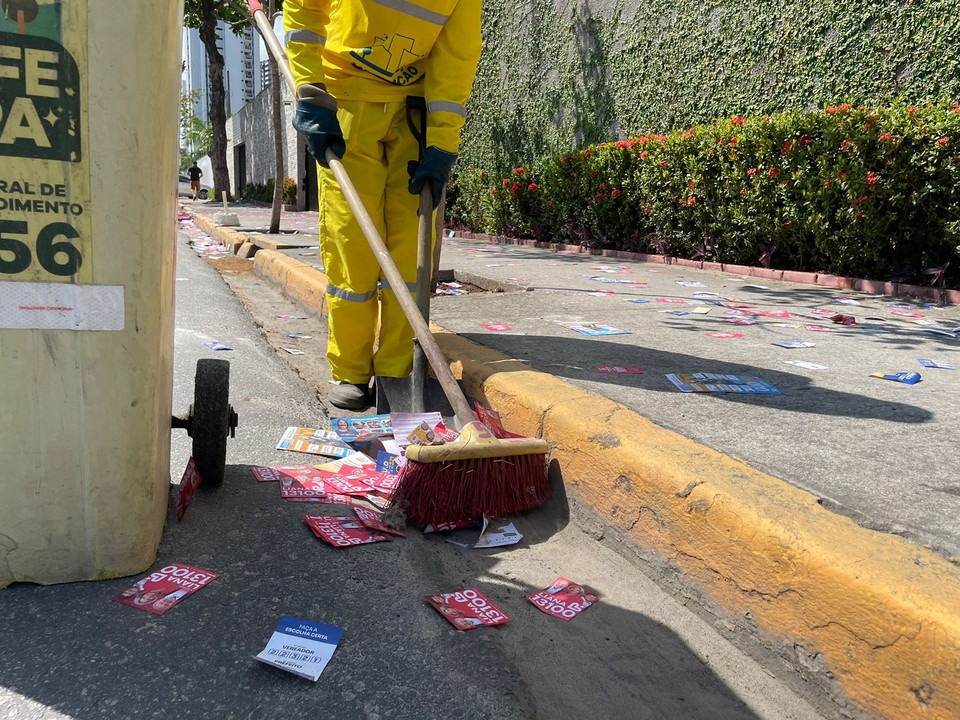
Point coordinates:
[(356, 62)]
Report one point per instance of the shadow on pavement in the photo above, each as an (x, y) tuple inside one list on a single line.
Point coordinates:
[(70, 649), (581, 356)]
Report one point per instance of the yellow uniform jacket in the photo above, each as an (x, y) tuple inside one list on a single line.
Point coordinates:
[(385, 50)]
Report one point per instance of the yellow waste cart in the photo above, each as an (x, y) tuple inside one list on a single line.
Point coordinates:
[(89, 97)]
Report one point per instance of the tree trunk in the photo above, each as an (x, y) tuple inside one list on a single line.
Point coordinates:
[(218, 115), (277, 102)]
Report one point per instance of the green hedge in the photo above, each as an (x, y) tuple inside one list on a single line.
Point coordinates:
[(863, 192), (263, 192)]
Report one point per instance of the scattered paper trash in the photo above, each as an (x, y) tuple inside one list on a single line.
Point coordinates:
[(739, 321), (564, 599), (619, 369), (904, 313), (725, 335), (841, 319), (374, 521), (755, 287), (806, 365), (497, 327), (292, 317), (161, 590), (297, 336), (794, 344), (188, 488), (301, 647), (594, 329), (314, 441), (501, 536), (678, 301), (343, 531), (404, 423), (639, 302), (467, 609), (818, 328), (217, 346), (701, 310), (690, 283), (936, 364), (359, 429), (722, 383), (449, 526), (907, 378), (294, 351)]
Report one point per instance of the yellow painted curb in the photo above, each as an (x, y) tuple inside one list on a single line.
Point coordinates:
[(882, 613)]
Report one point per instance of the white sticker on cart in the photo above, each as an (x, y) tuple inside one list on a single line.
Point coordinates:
[(60, 306)]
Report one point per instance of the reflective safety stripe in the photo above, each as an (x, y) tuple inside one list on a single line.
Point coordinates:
[(446, 106), (385, 284), (334, 291), (416, 11), (304, 36)]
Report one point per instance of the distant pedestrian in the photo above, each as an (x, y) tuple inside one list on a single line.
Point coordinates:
[(195, 175)]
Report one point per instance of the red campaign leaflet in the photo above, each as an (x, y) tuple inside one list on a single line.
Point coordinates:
[(724, 335), (824, 312), (774, 313), (904, 313), (343, 531), (312, 492), (447, 526), (282, 473), (619, 369), (497, 327), (491, 418), (444, 433), (161, 590), (818, 328), (741, 306), (467, 609), (564, 599), (739, 321), (680, 301), (374, 521), (188, 488), (378, 500)]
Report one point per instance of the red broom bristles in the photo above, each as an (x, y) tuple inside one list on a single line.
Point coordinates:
[(431, 493)]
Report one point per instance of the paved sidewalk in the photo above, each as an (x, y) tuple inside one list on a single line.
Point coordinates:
[(878, 451)]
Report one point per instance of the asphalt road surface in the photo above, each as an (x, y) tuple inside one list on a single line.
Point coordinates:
[(67, 651)]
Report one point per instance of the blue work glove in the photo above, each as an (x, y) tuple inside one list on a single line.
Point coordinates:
[(435, 167), (316, 118)]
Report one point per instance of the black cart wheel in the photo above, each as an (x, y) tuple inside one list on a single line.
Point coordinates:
[(211, 420)]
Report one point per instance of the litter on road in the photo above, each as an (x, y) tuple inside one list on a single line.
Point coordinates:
[(165, 588), (343, 531), (467, 609), (721, 383), (564, 599), (301, 647)]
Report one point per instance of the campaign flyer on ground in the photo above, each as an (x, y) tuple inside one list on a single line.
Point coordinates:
[(314, 441), (307, 491), (491, 536), (405, 423), (359, 429), (720, 383), (467, 609), (564, 599), (374, 521), (593, 329), (161, 590), (188, 488), (343, 531), (302, 647)]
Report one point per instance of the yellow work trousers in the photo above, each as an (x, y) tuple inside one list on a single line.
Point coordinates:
[(379, 146)]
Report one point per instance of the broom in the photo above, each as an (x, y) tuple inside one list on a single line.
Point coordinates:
[(477, 474)]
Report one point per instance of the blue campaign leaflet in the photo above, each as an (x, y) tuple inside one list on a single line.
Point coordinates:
[(593, 329), (314, 441), (302, 647), (359, 429), (721, 383)]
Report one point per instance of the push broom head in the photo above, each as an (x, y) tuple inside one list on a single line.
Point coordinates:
[(475, 475)]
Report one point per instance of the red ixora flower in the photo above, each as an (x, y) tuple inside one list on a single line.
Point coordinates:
[(514, 187), (886, 137), (691, 201), (587, 154), (733, 142), (912, 110), (828, 184), (772, 172), (872, 178), (804, 140), (859, 200), (533, 187), (615, 193), (752, 172), (663, 163), (644, 155), (518, 171), (738, 120), (787, 147), (603, 186), (845, 145), (506, 181), (643, 140), (601, 197), (943, 142)]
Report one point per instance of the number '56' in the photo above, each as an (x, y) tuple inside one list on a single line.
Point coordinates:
[(57, 257)]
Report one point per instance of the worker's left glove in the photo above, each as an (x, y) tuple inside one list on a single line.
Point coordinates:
[(435, 167)]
